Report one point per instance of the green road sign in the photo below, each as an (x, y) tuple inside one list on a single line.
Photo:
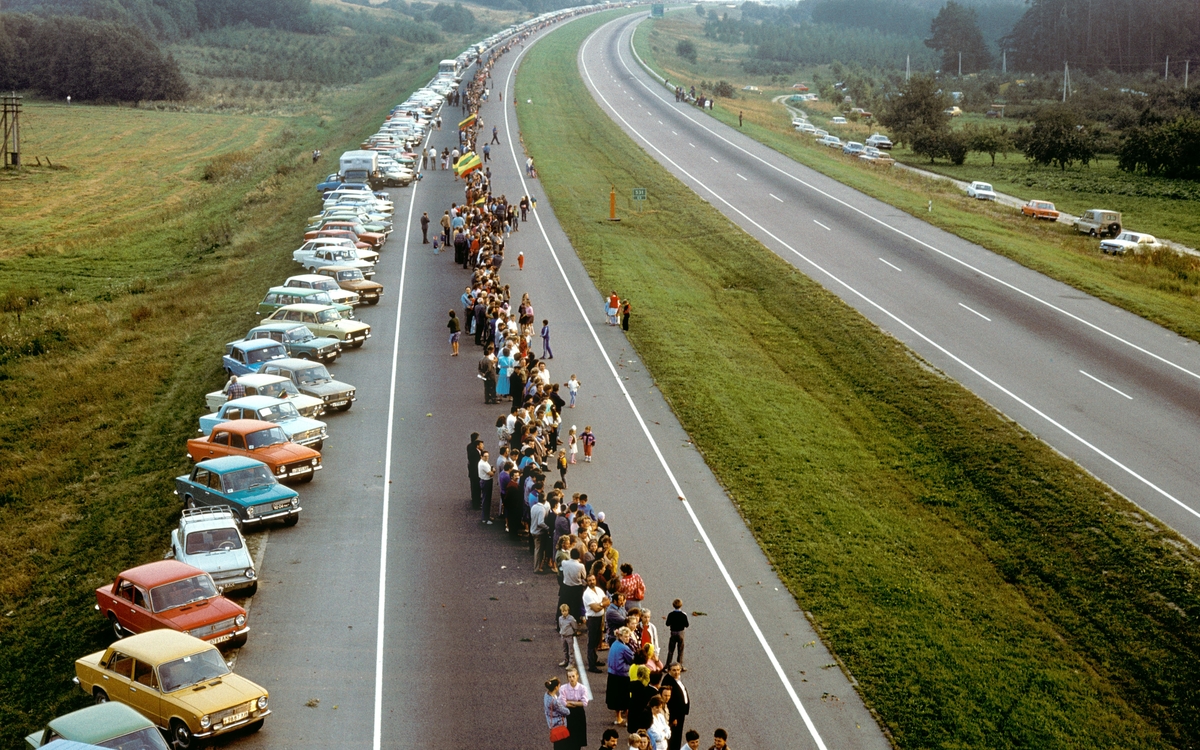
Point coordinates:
[(639, 194)]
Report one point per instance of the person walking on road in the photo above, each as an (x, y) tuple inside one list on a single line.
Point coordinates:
[(487, 152), (425, 228), (547, 352), (495, 135)]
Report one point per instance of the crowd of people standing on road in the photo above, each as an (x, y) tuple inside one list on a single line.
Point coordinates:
[(601, 598)]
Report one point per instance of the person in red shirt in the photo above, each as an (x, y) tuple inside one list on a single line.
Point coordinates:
[(614, 304)]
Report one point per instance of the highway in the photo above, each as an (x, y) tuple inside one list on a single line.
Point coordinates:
[(390, 617), (1112, 391)]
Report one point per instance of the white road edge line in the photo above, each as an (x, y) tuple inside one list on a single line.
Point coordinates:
[(377, 736), (827, 229), (975, 311), (893, 265), (741, 176), (776, 197), (897, 230), (978, 373), (712, 550), (714, 159), (1106, 385)]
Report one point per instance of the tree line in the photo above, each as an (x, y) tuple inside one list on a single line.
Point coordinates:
[(170, 20), (85, 59)]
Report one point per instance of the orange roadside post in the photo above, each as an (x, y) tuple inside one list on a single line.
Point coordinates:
[(612, 204)]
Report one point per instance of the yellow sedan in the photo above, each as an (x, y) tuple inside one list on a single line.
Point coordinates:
[(177, 681)]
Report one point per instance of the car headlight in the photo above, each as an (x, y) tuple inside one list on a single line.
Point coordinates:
[(250, 512), (205, 721), (281, 470), (314, 462), (241, 620), (295, 502), (262, 703), (327, 399), (249, 572), (351, 394)]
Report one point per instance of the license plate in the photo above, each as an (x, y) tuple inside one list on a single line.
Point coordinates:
[(221, 639), (301, 470), (338, 403), (235, 718)]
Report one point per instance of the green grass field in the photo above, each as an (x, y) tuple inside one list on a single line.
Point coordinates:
[(983, 590), (1163, 288), (141, 252)]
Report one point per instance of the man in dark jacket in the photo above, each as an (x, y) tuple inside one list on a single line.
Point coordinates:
[(480, 311), (679, 705), (487, 368), (474, 448)]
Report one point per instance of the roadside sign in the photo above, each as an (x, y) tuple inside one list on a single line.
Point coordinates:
[(656, 10), (639, 195)]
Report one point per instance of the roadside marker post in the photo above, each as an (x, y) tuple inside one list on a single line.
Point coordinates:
[(639, 198), (612, 204)]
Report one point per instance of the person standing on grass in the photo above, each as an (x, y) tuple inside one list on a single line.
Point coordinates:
[(739, 118), (455, 328), (547, 352), (625, 310)]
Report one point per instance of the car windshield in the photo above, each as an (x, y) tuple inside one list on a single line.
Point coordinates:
[(315, 375), (264, 354), (192, 670), (354, 275), (329, 315), (282, 389), (143, 739), (212, 540), (326, 285), (278, 413), (320, 298), (299, 335), (341, 254), (178, 593), (265, 438), (247, 479), (982, 186)]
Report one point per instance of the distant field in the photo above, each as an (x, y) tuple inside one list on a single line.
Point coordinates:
[(1164, 288), (983, 591)]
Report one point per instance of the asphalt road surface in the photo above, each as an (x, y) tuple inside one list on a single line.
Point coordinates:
[(390, 617), (1112, 391)]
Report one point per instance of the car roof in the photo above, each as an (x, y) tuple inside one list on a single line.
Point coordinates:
[(254, 402), (307, 277), (257, 379), (160, 572), (338, 268), (244, 426), (299, 291), (253, 344), (295, 363), (161, 645), (278, 325), (99, 723), (226, 464), (308, 307)]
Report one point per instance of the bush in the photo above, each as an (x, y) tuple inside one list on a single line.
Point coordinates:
[(1170, 149), (723, 88), (686, 49)]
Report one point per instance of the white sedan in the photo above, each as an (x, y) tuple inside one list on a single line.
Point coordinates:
[(1132, 242), (981, 191)]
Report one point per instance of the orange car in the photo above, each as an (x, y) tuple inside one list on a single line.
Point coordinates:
[(1040, 210), (374, 239), (344, 234), (263, 441)]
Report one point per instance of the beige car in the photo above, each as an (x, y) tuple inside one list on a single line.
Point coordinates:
[(177, 681), (1099, 222), (325, 320)]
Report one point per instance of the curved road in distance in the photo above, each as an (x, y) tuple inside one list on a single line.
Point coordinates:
[(1112, 391), (390, 617)]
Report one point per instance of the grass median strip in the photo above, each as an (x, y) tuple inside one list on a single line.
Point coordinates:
[(983, 590)]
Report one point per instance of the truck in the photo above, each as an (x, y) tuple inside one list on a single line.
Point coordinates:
[(359, 166), (450, 69)]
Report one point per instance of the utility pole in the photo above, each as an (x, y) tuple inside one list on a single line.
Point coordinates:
[(10, 123), (1167, 68), (1066, 80), (960, 65), (1004, 62), (907, 66), (1186, 64)]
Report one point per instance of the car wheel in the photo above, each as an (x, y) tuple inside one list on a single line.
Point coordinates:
[(237, 641), (307, 478), (358, 344), (346, 406), (116, 625), (1114, 229), (1091, 233), (317, 446), (373, 301), (293, 519), (305, 355), (253, 589), (190, 503), (254, 726), (99, 696), (181, 736)]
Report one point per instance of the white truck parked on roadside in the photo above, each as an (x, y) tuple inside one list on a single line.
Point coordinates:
[(359, 166)]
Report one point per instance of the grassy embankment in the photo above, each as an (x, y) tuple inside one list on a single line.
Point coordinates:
[(983, 590), (1162, 288), (140, 253)]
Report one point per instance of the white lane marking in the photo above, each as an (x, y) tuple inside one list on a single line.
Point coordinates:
[(904, 234), (660, 122), (714, 159), (582, 670), (712, 550), (741, 176), (827, 229), (692, 145), (674, 133), (776, 197), (893, 265), (377, 737), (1106, 385), (975, 311), (974, 370)]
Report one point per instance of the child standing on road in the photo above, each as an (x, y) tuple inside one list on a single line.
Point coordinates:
[(566, 629), (562, 467), (573, 389), (573, 443), (589, 441)]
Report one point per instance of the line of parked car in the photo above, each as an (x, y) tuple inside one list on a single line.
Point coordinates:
[(873, 151)]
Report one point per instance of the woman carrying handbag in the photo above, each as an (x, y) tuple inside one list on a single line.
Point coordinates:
[(556, 716)]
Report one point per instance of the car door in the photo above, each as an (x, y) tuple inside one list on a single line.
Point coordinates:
[(141, 618), (115, 675), (218, 444), (237, 445), (215, 493), (144, 694)]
